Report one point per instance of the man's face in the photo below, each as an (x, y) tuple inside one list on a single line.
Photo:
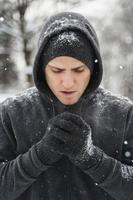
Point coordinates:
[(67, 78)]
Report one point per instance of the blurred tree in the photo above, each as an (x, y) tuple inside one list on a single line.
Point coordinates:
[(20, 7), (126, 45), (117, 47), (8, 73), (14, 26)]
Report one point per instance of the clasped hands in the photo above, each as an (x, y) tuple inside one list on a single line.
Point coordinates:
[(66, 134)]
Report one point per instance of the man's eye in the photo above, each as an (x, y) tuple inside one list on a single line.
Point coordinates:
[(57, 71), (79, 70)]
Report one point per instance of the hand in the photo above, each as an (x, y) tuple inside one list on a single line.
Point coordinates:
[(71, 135), (44, 150)]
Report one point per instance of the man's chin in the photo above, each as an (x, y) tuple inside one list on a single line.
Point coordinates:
[(68, 102)]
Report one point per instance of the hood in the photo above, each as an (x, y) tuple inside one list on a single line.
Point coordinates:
[(56, 24)]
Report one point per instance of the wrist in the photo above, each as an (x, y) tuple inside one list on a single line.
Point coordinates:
[(31, 164), (88, 158)]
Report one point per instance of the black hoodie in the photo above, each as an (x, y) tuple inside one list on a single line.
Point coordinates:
[(23, 121)]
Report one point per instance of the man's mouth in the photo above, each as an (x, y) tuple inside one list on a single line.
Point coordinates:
[(67, 92)]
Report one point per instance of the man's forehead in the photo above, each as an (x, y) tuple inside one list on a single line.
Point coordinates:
[(62, 67), (65, 61)]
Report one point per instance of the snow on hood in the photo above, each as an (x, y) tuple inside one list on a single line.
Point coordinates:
[(67, 21)]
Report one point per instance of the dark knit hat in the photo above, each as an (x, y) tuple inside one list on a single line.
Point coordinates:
[(69, 43)]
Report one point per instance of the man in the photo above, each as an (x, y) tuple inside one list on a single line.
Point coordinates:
[(67, 138)]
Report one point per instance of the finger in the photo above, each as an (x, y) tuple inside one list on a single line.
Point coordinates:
[(57, 145), (67, 126), (77, 120), (66, 150), (66, 116), (53, 142), (74, 118), (63, 136)]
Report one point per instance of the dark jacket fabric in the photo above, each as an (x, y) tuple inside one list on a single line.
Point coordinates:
[(23, 122)]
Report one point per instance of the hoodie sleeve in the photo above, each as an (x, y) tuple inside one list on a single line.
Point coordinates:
[(113, 176), (17, 173)]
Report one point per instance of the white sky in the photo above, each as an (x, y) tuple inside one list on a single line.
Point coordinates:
[(96, 8)]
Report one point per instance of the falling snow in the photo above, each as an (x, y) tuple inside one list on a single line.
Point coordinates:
[(125, 142), (121, 67), (127, 154), (1, 19), (96, 61)]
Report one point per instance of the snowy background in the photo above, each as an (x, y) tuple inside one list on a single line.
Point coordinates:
[(20, 24)]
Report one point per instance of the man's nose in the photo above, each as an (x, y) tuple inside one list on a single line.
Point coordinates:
[(68, 81)]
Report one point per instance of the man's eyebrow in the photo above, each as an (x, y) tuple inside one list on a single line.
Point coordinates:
[(78, 67), (54, 67)]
